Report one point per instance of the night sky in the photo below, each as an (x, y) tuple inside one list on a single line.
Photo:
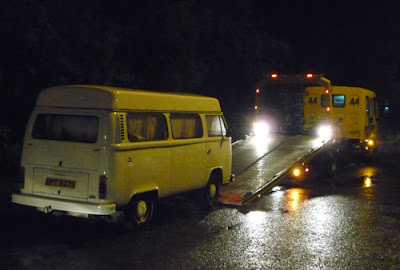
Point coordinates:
[(217, 48)]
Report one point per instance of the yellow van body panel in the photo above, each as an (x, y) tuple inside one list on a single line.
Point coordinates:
[(81, 156), (357, 119)]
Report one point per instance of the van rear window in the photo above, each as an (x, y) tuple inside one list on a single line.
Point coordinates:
[(60, 127)]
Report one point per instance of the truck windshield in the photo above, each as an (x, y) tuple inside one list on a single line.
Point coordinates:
[(74, 128), (338, 100), (324, 100)]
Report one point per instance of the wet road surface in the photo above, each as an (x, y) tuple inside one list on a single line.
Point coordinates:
[(350, 221)]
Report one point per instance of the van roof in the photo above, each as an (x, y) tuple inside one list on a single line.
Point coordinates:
[(114, 98)]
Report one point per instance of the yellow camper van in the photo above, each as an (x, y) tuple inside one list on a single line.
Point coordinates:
[(353, 109), (96, 150)]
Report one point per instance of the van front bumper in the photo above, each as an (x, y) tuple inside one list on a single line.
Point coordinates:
[(73, 208)]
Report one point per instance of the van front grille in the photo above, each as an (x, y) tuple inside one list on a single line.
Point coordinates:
[(122, 127)]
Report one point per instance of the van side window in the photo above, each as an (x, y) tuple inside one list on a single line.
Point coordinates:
[(146, 126), (215, 126), (186, 125), (338, 100), (73, 128)]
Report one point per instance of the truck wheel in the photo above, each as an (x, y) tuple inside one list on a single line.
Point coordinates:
[(211, 191), (140, 210), (332, 168), (328, 165)]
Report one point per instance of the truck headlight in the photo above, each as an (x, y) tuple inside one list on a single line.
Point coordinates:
[(325, 132), (260, 128)]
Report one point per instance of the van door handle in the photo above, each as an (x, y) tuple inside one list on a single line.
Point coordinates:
[(209, 151)]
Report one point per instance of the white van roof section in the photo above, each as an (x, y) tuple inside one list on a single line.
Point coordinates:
[(113, 98)]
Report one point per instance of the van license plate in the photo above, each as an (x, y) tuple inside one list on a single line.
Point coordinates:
[(55, 182)]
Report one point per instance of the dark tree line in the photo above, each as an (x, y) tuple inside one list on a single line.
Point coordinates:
[(214, 48)]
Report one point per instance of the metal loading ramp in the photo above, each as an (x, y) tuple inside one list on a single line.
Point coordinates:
[(262, 163)]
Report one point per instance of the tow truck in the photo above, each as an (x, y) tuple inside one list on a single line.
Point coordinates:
[(279, 147)]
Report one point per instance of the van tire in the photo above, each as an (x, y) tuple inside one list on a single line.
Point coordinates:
[(140, 210), (211, 191)]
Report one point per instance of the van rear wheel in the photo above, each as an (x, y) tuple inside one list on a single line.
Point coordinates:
[(140, 210)]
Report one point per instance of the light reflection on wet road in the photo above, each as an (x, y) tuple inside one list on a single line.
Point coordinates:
[(351, 221)]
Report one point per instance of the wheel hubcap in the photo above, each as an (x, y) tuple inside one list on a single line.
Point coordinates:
[(212, 190), (141, 209)]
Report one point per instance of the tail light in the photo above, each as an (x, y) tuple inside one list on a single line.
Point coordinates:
[(102, 186)]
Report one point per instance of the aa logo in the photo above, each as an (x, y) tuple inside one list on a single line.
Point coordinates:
[(312, 100), (355, 101)]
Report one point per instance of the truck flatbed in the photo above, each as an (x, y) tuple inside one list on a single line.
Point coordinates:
[(262, 163)]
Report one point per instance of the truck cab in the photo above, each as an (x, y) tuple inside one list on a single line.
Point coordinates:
[(353, 109)]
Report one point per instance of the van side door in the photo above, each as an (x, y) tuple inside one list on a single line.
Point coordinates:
[(188, 152), (148, 156)]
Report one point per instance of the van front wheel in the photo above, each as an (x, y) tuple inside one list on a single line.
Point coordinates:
[(211, 191), (140, 210)]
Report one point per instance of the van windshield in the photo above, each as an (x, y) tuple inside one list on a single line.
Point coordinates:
[(74, 128)]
